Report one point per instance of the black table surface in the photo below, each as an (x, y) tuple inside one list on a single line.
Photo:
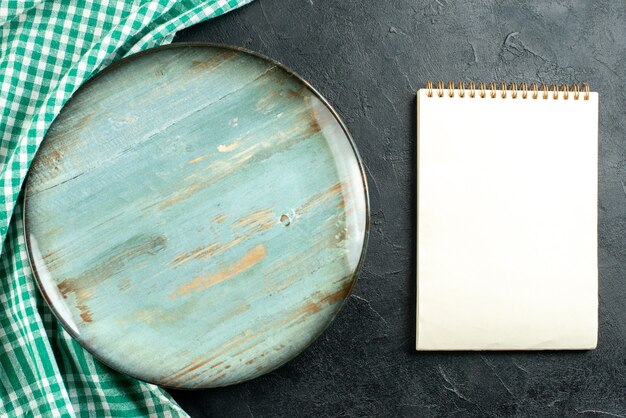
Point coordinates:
[(368, 58)]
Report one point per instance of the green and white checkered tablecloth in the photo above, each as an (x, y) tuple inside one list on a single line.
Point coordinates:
[(48, 48)]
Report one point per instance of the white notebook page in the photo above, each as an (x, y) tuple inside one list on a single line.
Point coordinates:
[(507, 222)]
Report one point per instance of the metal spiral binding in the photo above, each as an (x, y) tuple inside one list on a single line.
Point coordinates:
[(513, 89)]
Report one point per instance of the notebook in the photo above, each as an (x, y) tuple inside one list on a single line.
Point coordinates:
[(507, 217)]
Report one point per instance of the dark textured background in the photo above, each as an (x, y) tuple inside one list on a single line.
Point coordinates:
[(367, 58)]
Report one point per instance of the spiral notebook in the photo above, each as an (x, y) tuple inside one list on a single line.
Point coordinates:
[(507, 217)]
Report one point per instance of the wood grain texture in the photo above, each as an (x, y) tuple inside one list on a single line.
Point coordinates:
[(196, 216)]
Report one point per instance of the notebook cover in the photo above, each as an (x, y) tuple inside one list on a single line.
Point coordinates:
[(507, 222)]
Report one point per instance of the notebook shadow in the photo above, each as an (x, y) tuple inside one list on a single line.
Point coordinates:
[(411, 284)]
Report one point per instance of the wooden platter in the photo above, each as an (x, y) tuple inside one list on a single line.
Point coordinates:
[(196, 215)]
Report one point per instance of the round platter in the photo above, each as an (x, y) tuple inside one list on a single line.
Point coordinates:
[(196, 215)]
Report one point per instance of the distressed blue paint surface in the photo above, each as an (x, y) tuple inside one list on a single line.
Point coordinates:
[(196, 216)]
